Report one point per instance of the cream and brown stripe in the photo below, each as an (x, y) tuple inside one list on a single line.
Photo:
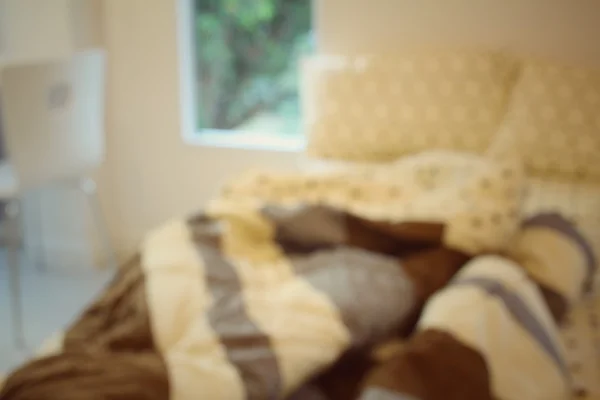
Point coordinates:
[(345, 257), (371, 291), (248, 348), (303, 325), (179, 300), (340, 254), (521, 312), (520, 367), (559, 224)]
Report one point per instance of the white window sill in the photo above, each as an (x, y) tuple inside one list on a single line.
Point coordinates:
[(247, 141)]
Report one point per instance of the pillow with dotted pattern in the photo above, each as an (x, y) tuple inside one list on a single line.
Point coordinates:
[(381, 107), (553, 122)]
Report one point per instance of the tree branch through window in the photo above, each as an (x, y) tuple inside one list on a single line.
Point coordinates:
[(247, 53)]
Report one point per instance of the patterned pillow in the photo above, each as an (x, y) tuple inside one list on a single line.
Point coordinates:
[(380, 107), (553, 122)]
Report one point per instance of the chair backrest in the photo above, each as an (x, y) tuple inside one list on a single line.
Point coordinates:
[(53, 118)]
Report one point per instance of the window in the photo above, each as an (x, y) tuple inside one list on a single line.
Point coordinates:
[(246, 72)]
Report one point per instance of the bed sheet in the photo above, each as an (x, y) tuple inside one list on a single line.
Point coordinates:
[(581, 339)]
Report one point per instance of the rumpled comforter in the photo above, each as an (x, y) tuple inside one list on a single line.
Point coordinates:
[(283, 276), (492, 332)]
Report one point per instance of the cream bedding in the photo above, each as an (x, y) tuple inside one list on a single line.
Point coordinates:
[(181, 301), (581, 333), (253, 296), (511, 346)]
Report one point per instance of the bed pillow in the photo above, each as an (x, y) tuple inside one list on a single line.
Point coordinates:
[(553, 122), (380, 107)]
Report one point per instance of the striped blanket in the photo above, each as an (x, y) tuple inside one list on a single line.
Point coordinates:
[(285, 276), (492, 333)]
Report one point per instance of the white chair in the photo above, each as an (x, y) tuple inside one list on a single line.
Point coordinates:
[(53, 127)]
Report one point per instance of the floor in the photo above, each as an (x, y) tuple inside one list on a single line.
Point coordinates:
[(50, 300)]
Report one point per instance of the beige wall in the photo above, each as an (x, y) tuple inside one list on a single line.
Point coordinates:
[(563, 29), (32, 30), (152, 174)]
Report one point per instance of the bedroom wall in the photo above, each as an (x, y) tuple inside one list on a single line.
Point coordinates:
[(152, 174), (561, 29), (155, 174)]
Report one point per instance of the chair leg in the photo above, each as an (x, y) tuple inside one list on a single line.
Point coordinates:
[(13, 214), (89, 188)]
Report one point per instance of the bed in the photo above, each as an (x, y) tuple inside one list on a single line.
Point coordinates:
[(435, 206)]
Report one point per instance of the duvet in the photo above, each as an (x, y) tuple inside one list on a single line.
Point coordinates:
[(492, 332), (284, 276)]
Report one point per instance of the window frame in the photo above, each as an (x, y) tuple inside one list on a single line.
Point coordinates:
[(189, 99)]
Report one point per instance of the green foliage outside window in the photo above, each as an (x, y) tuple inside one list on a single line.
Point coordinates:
[(247, 54)]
